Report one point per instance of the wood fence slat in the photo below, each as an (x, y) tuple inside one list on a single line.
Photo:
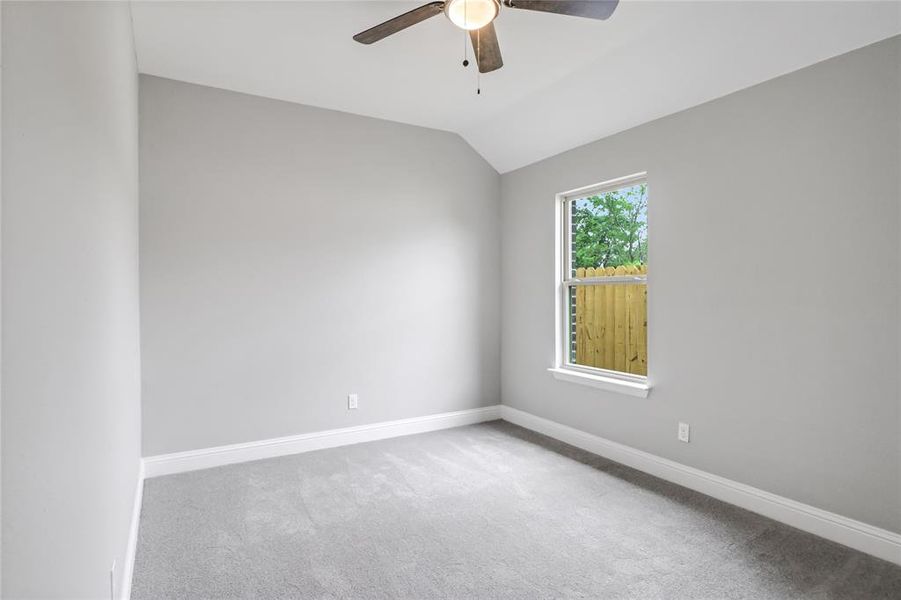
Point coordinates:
[(581, 333), (642, 313), (591, 323), (609, 321), (600, 298), (619, 324), (630, 334)]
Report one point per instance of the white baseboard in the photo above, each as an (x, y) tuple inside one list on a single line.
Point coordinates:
[(129, 567), (878, 542), (855, 534), (180, 462)]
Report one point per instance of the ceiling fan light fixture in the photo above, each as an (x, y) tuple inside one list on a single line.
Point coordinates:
[(471, 14)]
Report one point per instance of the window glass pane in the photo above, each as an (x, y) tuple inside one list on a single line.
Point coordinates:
[(607, 237), (608, 325), (609, 229)]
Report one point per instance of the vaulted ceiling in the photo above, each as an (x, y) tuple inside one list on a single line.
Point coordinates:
[(566, 81)]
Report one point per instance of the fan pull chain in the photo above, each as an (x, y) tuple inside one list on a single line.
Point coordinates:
[(478, 62), (465, 49)]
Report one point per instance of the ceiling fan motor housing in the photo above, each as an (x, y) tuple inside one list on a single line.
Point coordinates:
[(471, 14)]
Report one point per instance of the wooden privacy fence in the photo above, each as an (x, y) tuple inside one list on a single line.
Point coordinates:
[(610, 323)]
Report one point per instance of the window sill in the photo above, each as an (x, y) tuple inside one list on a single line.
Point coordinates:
[(611, 384)]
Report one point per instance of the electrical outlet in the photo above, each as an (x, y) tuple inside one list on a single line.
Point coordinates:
[(683, 432), (352, 401)]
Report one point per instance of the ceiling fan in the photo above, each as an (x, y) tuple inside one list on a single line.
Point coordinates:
[(477, 16)]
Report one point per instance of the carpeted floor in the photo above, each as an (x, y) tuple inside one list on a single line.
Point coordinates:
[(487, 511)]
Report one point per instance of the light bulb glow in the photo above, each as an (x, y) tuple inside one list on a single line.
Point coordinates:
[(471, 14)]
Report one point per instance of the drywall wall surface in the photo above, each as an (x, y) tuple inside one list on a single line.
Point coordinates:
[(773, 286), (70, 374), (292, 255), (1, 309)]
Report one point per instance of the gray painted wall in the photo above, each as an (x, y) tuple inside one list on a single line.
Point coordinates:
[(780, 347), (70, 374), (291, 255), (1, 309)]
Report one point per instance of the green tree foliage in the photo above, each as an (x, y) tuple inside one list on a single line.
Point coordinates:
[(611, 229)]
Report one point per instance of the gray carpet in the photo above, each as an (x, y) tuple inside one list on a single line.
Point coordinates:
[(488, 511)]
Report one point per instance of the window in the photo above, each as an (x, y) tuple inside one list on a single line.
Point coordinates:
[(603, 283)]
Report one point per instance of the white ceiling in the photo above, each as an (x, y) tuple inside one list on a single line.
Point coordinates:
[(565, 81)]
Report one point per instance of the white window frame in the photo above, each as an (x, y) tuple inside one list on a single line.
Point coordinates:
[(563, 369)]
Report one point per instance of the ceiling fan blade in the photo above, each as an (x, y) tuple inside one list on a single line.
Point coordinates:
[(488, 51), (391, 26), (591, 9)]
